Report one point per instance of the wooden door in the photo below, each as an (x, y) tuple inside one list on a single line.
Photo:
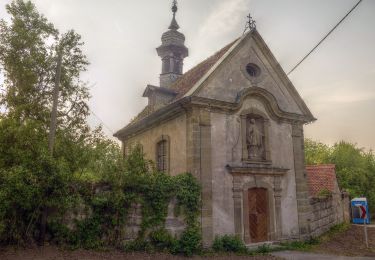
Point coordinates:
[(258, 214)]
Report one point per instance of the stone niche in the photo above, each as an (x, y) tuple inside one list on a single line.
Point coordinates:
[(255, 141)]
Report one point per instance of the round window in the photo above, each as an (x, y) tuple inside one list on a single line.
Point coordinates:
[(253, 70)]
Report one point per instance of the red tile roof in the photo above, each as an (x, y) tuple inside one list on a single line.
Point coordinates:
[(320, 177), (189, 79)]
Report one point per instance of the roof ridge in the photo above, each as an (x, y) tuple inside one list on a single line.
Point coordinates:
[(194, 74), (188, 79)]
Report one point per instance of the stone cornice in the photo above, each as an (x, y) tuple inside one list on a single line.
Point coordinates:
[(174, 109), (259, 169), (268, 99)]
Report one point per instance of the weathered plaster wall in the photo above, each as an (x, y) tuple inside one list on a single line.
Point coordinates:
[(227, 149), (231, 78), (176, 130)]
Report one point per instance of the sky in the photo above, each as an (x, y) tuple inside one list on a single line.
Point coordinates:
[(337, 81)]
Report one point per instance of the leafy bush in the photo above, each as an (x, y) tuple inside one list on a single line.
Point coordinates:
[(138, 244), (263, 249), (190, 242), (324, 193), (229, 243), (163, 241)]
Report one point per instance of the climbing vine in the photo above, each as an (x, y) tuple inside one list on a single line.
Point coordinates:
[(134, 181)]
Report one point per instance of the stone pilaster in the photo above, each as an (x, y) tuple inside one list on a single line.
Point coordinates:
[(277, 195), (199, 164), (237, 197), (302, 193)]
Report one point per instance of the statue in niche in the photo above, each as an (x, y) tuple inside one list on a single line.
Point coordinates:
[(254, 140)]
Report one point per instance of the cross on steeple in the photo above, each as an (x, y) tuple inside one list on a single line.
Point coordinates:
[(250, 24)]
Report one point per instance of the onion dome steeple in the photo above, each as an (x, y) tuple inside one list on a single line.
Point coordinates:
[(172, 52)]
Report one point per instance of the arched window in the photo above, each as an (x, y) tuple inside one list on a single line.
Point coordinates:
[(162, 154)]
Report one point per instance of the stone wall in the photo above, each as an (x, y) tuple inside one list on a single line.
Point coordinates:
[(327, 212), (175, 131), (329, 205), (173, 224)]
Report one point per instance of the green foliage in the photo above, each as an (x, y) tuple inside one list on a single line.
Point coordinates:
[(138, 244), (263, 249), (86, 173), (28, 53), (229, 244), (355, 168), (29, 180), (311, 243), (333, 231), (316, 153), (164, 241), (190, 242), (324, 193), (298, 245), (122, 187)]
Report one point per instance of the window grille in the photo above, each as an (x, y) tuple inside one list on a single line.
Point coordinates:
[(162, 156)]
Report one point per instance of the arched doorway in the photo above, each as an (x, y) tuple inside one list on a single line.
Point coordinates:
[(258, 214)]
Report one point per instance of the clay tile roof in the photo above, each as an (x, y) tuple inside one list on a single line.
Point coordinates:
[(191, 77), (144, 113), (320, 177)]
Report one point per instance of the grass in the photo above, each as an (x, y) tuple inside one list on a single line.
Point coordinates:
[(310, 244), (227, 245)]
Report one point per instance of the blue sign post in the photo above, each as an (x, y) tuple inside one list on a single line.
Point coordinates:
[(360, 214), (357, 204)]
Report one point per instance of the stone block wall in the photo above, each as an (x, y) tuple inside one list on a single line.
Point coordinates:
[(327, 212), (173, 224)]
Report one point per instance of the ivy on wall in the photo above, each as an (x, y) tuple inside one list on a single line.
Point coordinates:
[(134, 181)]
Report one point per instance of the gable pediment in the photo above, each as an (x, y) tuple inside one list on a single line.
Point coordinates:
[(231, 77)]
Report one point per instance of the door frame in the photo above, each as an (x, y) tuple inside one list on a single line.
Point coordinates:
[(271, 234), (256, 192)]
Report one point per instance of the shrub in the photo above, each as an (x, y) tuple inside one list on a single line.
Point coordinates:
[(263, 249), (163, 241), (324, 193), (190, 242), (229, 243), (138, 244)]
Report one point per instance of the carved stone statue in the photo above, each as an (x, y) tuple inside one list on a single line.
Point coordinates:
[(254, 140)]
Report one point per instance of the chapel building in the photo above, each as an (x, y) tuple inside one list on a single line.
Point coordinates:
[(235, 121)]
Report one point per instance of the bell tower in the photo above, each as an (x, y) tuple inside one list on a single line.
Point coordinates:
[(172, 52)]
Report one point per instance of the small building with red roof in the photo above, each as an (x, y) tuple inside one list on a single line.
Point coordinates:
[(235, 122)]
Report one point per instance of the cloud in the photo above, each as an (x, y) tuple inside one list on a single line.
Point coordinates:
[(226, 16)]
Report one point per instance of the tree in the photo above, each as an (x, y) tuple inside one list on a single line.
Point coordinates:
[(29, 46), (28, 57), (355, 168)]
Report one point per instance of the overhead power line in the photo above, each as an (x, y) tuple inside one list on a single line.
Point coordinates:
[(316, 46), (102, 122)]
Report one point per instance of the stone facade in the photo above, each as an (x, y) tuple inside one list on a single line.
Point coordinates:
[(240, 133), (175, 131)]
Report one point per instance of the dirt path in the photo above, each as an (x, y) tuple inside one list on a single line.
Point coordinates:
[(295, 255), (350, 243), (53, 253)]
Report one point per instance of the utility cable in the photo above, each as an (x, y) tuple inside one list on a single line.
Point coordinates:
[(316, 46)]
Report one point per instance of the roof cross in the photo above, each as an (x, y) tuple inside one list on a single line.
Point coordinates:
[(250, 24)]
